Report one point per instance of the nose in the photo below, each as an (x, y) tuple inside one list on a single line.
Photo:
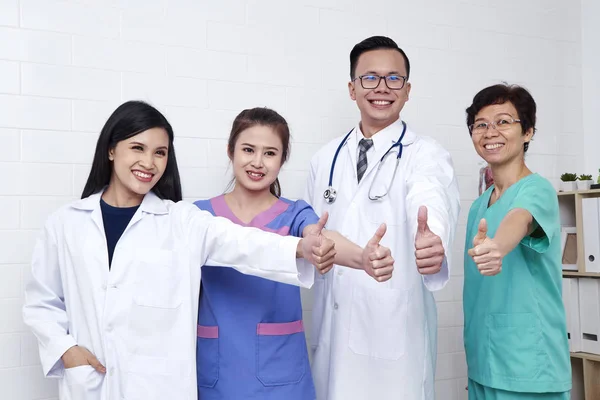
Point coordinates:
[(491, 131), (257, 160), (381, 86), (147, 160)]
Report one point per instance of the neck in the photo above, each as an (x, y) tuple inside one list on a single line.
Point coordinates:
[(370, 128), (508, 174), (244, 199), (121, 198)]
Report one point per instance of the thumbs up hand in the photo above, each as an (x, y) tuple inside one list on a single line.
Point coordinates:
[(377, 260), (429, 250), (317, 249), (485, 252)]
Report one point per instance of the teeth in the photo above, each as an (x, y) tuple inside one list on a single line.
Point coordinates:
[(142, 175), (381, 102), (255, 174), (493, 146)]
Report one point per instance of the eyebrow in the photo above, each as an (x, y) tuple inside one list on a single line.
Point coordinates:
[(144, 145), (495, 116), (253, 146), (376, 73)]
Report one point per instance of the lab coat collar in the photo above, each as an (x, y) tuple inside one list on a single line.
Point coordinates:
[(151, 204), (387, 135)]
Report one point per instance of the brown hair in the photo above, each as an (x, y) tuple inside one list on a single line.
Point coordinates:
[(264, 117)]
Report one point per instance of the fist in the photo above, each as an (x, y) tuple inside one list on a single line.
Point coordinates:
[(429, 250), (485, 252), (377, 260)]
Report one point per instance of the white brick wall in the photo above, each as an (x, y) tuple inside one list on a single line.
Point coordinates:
[(66, 64)]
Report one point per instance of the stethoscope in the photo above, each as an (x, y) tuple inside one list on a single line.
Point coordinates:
[(330, 193)]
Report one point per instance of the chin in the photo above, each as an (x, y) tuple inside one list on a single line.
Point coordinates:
[(141, 189)]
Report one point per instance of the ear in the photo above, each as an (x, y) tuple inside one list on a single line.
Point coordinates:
[(408, 87), (528, 135), (352, 91), (111, 154)]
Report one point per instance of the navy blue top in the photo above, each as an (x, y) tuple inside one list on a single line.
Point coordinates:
[(115, 221)]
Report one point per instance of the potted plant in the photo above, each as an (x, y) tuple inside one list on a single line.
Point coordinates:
[(584, 182), (567, 183)]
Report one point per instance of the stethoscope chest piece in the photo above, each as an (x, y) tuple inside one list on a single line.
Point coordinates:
[(330, 195)]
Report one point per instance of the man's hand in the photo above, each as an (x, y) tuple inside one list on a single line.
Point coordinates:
[(429, 250), (377, 260)]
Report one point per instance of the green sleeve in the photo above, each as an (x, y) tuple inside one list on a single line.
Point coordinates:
[(539, 198)]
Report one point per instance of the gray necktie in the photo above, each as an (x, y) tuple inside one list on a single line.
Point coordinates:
[(361, 165)]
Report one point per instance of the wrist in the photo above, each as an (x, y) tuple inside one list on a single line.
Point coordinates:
[(299, 253)]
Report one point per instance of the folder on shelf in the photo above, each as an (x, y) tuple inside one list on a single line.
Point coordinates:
[(570, 295), (589, 314), (591, 233)]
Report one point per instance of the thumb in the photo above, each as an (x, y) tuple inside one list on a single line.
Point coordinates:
[(322, 222), (93, 361), (378, 235), (422, 220), (481, 232)]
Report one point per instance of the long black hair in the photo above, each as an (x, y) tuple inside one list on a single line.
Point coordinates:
[(128, 120)]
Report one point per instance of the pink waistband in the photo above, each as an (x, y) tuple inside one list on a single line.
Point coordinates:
[(286, 328), (208, 332)]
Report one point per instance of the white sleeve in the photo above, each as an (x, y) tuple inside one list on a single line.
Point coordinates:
[(44, 309), (251, 251), (432, 183)]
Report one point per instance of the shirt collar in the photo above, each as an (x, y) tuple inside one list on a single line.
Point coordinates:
[(387, 135), (151, 204)]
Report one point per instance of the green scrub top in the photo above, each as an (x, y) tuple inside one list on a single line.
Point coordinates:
[(515, 330)]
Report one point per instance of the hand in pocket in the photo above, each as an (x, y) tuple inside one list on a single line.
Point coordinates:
[(77, 356)]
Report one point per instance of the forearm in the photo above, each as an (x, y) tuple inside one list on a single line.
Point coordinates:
[(347, 253), (517, 224)]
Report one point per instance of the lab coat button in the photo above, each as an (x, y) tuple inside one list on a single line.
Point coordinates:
[(112, 372), (335, 306)]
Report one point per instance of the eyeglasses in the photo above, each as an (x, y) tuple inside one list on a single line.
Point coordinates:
[(501, 125), (393, 82)]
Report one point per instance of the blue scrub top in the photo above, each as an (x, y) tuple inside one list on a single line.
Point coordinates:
[(251, 342)]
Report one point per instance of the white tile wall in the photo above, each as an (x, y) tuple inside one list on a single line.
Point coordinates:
[(65, 65)]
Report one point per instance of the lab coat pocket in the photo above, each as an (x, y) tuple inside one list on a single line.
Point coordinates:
[(378, 322), (281, 357), (158, 279), (158, 378), (207, 356), (513, 341), (83, 382)]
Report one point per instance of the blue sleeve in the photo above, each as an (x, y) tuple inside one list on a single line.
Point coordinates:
[(540, 200), (304, 215), (205, 205)]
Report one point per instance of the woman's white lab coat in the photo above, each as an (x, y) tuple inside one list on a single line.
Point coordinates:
[(378, 340), (139, 318)]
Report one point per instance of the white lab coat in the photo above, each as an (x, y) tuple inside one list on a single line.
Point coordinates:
[(378, 340), (139, 318)]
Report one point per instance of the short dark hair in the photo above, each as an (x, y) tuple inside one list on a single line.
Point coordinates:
[(375, 43), (128, 120), (518, 96), (262, 116)]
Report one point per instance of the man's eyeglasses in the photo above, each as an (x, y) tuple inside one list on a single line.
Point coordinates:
[(393, 82)]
